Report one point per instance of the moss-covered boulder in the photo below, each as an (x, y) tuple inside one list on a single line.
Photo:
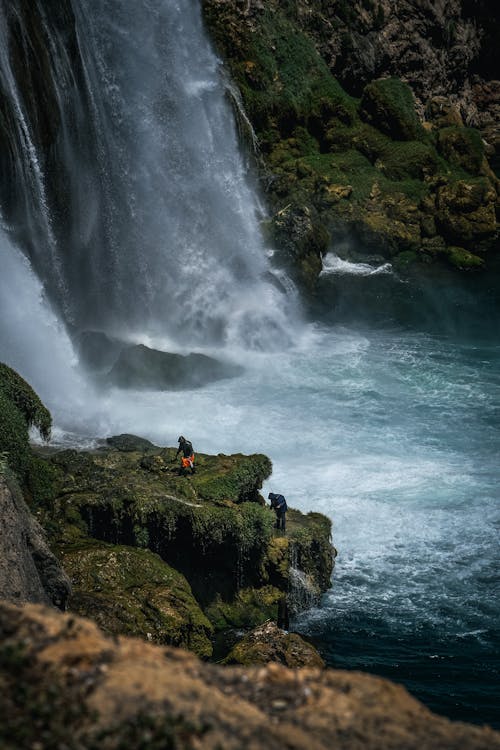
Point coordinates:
[(462, 147), (249, 608), (130, 591), (268, 643), (389, 105)]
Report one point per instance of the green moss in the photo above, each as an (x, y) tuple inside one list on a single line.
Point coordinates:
[(14, 441), (237, 478), (388, 104), (17, 390), (268, 644), (131, 591), (249, 608), (462, 147), (20, 409), (463, 259)]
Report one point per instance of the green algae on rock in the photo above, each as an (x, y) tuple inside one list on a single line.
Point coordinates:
[(130, 591), (268, 643), (212, 527), (20, 409)]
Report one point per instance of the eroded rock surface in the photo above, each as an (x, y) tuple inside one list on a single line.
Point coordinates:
[(29, 572), (64, 683)]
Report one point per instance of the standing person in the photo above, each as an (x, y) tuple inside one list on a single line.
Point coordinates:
[(187, 458), (278, 504)]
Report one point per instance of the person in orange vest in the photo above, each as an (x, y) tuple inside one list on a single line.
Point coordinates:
[(187, 457)]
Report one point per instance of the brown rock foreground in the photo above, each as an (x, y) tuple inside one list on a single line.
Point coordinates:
[(63, 684)]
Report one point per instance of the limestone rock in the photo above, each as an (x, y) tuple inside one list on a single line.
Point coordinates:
[(130, 591), (64, 683), (144, 368)]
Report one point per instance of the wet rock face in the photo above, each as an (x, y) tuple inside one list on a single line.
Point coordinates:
[(64, 681), (362, 112), (29, 572)]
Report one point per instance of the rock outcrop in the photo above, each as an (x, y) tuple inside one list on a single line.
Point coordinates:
[(152, 551), (268, 643), (29, 572), (65, 684)]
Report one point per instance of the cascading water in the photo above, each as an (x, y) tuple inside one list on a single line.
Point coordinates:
[(160, 238), (132, 203)]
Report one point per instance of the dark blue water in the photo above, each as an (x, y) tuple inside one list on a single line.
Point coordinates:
[(416, 589)]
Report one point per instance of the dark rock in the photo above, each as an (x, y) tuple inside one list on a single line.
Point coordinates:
[(127, 442), (149, 369), (97, 350), (29, 572)]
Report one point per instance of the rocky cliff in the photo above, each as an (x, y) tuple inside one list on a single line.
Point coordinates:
[(66, 685), (364, 117), (150, 551)]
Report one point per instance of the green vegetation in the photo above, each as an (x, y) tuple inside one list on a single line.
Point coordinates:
[(333, 162), (146, 547), (20, 409), (388, 104), (130, 591)]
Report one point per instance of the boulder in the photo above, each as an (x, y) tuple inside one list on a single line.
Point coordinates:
[(268, 643), (149, 369), (130, 591), (389, 105)]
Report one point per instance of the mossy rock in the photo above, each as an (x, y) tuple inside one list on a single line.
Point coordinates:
[(127, 443), (389, 105), (249, 608), (463, 259), (20, 409), (134, 592), (462, 147), (466, 211), (332, 163), (139, 499), (267, 643)]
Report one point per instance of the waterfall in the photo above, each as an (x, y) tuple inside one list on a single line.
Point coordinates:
[(138, 213), (303, 593)]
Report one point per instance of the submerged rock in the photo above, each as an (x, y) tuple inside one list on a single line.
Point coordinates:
[(66, 683), (143, 368)]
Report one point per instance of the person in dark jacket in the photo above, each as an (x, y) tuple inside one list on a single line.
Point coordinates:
[(278, 504), (187, 457)]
